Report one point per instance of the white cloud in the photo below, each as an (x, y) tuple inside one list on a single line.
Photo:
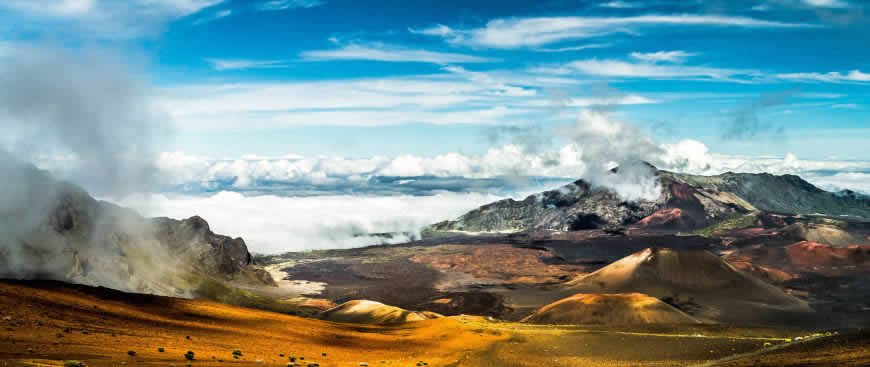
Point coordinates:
[(275, 5), (274, 224), (850, 106), (241, 64), (854, 76), (574, 48), (619, 5), (53, 7), (389, 53), (617, 68), (212, 17), (533, 32), (855, 181), (410, 94), (355, 117), (501, 87), (271, 223), (457, 96), (662, 56), (510, 160), (616, 100), (827, 3), (108, 18)]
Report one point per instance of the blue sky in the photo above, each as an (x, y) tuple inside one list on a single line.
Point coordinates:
[(296, 123), (357, 79)]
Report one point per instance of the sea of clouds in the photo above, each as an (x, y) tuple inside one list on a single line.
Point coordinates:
[(297, 203)]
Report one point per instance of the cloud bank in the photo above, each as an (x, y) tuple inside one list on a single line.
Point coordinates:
[(274, 224)]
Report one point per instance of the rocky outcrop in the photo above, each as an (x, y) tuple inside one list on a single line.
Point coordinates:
[(220, 254)]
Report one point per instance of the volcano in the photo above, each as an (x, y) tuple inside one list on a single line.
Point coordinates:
[(697, 282), (371, 312), (609, 309)]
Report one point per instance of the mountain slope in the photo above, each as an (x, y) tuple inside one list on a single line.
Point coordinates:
[(788, 194), (686, 202), (579, 206), (55, 230), (99, 326)]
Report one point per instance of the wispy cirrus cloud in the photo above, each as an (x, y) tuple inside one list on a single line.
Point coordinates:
[(854, 76), (617, 4), (662, 56), (107, 19), (391, 53), (241, 64), (831, 4), (624, 69), (459, 96), (214, 16), (827, 3), (573, 48), (275, 5), (510, 33)]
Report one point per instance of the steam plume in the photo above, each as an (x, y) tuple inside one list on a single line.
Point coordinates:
[(80, 106)]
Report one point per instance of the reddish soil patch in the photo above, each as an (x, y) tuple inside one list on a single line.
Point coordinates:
[(769, 274), (506, 263), (665, 218), (806, 257), (808, 253)]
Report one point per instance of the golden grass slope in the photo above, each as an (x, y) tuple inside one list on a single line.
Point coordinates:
[(609, 309), (51, 322)]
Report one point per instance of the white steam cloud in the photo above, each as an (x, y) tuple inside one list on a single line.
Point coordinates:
[(92, 110), (605, 143), (86, 107)]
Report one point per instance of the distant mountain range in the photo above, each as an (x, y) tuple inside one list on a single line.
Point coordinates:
[(686, 202)]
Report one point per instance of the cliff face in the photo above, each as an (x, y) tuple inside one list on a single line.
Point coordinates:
[(57, 231), (686, 202), (218, 253)]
